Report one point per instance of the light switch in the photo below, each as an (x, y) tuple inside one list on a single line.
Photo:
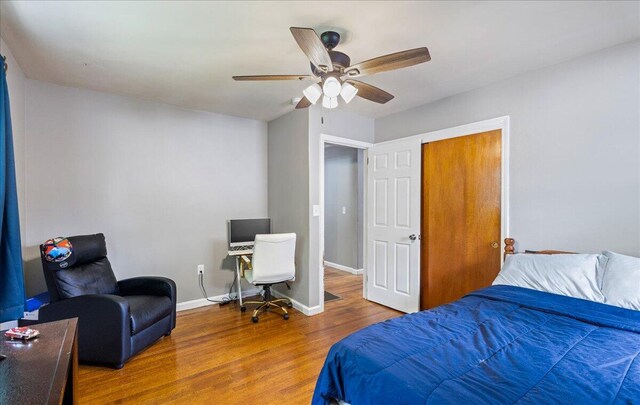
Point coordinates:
[(316, 210), (344, 210)]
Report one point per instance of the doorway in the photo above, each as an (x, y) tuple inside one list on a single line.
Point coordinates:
[(342, 213), (343, 208)]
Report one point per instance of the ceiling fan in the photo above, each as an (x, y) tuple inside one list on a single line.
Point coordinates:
[(332, 72)]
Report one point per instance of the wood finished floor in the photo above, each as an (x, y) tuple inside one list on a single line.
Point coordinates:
[(217, 355)]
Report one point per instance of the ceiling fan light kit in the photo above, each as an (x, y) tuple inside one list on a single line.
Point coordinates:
[(313, 93), (348, 92), (334, 73), (331, 87)]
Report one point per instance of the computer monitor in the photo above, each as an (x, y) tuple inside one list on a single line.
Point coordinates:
[(242, 232)]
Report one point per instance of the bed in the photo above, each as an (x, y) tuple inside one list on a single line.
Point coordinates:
[(501, 344)]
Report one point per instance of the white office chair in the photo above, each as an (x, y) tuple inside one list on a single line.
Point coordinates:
[(273, 262)]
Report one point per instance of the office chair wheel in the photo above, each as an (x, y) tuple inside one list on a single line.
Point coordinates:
[(254, 319), (290, 305), (243, 309), (285, 316)]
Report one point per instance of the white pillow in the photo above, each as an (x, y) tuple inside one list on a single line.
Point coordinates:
[(621, 281), (573, 275)]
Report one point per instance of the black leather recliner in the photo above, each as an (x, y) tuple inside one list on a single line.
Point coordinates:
[(116, 319)]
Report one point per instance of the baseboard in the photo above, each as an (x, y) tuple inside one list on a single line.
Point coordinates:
[(343, 268), (202, 302), (309, 311)]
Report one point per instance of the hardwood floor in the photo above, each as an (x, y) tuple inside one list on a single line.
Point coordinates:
[(217, 354)]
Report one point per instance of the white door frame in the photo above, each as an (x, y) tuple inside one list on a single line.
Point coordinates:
[(501, 123), (337, 140)]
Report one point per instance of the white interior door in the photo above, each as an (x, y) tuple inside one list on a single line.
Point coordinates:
[(393, 225)]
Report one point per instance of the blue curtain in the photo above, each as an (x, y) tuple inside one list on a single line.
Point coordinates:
[(11, 276)]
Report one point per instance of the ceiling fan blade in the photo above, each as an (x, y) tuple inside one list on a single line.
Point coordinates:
[(392, 61), (313, 47), (274, 77), (371, 93), (303, 103)]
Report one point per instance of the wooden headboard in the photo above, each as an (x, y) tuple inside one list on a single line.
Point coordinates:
[(509, 249)]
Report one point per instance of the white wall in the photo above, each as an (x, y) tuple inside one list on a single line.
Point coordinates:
[(289, 191), (157, 180), (575, 148)]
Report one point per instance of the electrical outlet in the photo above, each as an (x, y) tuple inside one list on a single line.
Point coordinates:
[(200, 269)]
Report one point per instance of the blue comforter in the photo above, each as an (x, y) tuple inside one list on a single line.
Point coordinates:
[(500, 345)]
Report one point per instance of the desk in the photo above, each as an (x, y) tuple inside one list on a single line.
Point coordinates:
[(42, 370), (238, 256)]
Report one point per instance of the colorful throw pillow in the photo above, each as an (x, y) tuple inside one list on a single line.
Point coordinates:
[(56, 250)]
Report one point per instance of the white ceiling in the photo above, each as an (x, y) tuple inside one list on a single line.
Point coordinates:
[(185, 53)]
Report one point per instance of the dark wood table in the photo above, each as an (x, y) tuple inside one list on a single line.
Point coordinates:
[(42, 370)]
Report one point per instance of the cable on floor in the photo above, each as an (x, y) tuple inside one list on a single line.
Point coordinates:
[(226, 300)]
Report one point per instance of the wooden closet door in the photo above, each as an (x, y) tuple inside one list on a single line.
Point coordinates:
[(461, 193)]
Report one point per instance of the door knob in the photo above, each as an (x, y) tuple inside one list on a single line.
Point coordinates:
[(495, 245), (413, 236)]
